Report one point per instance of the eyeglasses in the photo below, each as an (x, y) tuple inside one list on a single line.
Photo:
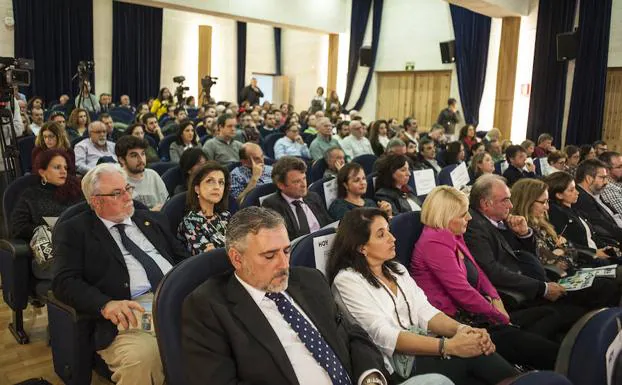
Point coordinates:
[(117, 193), (544, 202)]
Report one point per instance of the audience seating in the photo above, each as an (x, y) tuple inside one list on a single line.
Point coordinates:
[(269, 141), (192, 113), (232, 165), (252, 199), (268, 161), (581, 355), (168, 302), (538, 378), (25, 146), (173, 210), (122, 115), (367, 162), (444, 177), (303, 253), (406, 228), (308, 138), (18, 283), (316, 172), (498, 168), (172, 178), (77, 140), (318, 188), (164, 120), (164, 146), (371, 190), (161, 167), (204, 139), (151, 141)]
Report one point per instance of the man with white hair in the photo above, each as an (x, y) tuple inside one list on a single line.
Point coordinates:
[(110, 260), (324, 139), (90, 150), (356, 144)]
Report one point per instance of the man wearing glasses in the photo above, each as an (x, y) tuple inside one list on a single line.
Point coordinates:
[(612, 193), (110, 261), (592, 179), (89, 151)]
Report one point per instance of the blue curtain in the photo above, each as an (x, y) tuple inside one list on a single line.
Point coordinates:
[(587, 103), (358, 24), (136, 50), (277, 51), (57, 35), (375, 42), (472, 34), (241, 47), (548, 82)]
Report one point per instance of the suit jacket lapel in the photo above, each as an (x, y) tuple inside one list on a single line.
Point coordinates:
[(497, 234), (247, 311), (290, 214), (102, 234)]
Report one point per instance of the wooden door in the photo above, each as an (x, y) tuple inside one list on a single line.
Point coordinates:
[(420, 94), (612, 119)]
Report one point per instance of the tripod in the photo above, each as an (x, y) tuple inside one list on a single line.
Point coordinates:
[(8, 141), (84, 86)]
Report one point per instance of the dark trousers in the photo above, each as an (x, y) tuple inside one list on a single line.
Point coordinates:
[(524, 348), (604, 292), (549, 320), (482, 370)]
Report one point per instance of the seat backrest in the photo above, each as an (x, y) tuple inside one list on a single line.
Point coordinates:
[(444, 177), (537, 378), (318, 188), (311, 251), (12, 194), (308, 138), (406, 228), (25, 146), (269, 141), (581, 355), (151, 141), (161, 167), (176, 285), (371, 189), (367, 162), (252, 199), (174, 210), (120, 114), (164, 147), (317, 170), (172, 178), (77, 140), (232, 165)]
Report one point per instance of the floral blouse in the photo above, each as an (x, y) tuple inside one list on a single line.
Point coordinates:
[(549, 253), (196, 230)]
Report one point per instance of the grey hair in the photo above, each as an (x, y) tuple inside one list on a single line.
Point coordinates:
[(482, 188), (395, 142), (249, 221), (329, 151), (90, 182), (322, 121), (95, 123)]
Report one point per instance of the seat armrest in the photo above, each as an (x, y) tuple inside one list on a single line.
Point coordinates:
[(17, 247), (512, 299), (553, 272), (72, 312)]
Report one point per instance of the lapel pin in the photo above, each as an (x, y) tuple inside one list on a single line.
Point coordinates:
[(147, 223)]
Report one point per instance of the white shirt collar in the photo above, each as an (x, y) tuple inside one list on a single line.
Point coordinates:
[(256, 294), (109, 224)]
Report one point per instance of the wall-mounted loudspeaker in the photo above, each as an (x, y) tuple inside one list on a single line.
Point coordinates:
[(365, 56), (567, 43), (448, 51)]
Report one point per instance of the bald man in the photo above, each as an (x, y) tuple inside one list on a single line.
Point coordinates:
[(251, 173), (89, 151)]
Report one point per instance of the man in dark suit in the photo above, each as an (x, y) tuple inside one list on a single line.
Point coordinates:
[(303, 210), (251, 93), (267, 323), (516, 157), (110, 260), (591, 179)]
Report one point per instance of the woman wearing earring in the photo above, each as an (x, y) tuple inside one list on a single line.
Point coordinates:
[(203, 228), (56, 191)]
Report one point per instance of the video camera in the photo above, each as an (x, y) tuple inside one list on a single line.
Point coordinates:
[(207, 82), (14, 72), (179, 91), (85, 68)]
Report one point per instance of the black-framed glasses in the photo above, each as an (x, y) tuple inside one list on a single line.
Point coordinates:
[(117, 193), (544, 202)]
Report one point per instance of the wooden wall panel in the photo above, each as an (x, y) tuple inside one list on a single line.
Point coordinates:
[(205, 54), (333, 62), (280, 90), (506, 75), (421, 94), (612, 119)]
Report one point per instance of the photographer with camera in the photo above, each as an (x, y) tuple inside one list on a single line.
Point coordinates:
[(251, 93), (161, 103)]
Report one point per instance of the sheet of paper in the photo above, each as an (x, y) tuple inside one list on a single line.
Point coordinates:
[(603, 271), (330, 191), (50, 221), (424, 181), (321, 248), (545, 168), (460, 176), (581, 280)]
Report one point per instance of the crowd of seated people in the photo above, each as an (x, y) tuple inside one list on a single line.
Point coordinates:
[(505, 234)]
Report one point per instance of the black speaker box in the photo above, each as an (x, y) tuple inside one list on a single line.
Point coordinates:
[(567, 46), (365, 56), (448, 51)]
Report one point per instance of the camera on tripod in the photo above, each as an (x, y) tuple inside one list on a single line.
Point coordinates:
[(13, 72), (207, 82), (179, 91), (85, 68)]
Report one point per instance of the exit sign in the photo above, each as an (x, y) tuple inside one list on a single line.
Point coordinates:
[(409, 66)]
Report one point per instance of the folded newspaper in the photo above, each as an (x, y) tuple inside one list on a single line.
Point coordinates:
[(581, 280), (603, 271)]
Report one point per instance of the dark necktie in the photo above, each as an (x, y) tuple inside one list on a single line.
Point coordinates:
[(303, 223), (312, 339), (154, 273)]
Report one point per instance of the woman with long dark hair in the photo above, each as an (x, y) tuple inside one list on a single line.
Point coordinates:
[(185, 139), (392, 184)]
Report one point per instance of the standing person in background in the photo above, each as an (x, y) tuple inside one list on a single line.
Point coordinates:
[(162, 102), (251, 93), (318, 102), (333, 101), (449, 117)]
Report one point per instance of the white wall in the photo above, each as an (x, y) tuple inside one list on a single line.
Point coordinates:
[(615, 42), (6, 33), (319, 15), (102, 45), (487, 106), (260, 53)]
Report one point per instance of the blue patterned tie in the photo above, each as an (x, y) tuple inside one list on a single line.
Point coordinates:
[(312, 339)]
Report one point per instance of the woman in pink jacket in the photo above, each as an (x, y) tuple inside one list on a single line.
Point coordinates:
[(444, 268)]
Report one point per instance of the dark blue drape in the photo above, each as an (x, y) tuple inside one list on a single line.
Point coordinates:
[(472, 34), (358, 24), (277, 51), (375, 42), (548, 82), (136, 50), (585, 119), (57, 35), (241, 48)]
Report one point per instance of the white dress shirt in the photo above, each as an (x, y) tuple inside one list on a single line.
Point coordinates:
[(373, 309), (87, 154), (139, 283), (314, 225), (353, 147)]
